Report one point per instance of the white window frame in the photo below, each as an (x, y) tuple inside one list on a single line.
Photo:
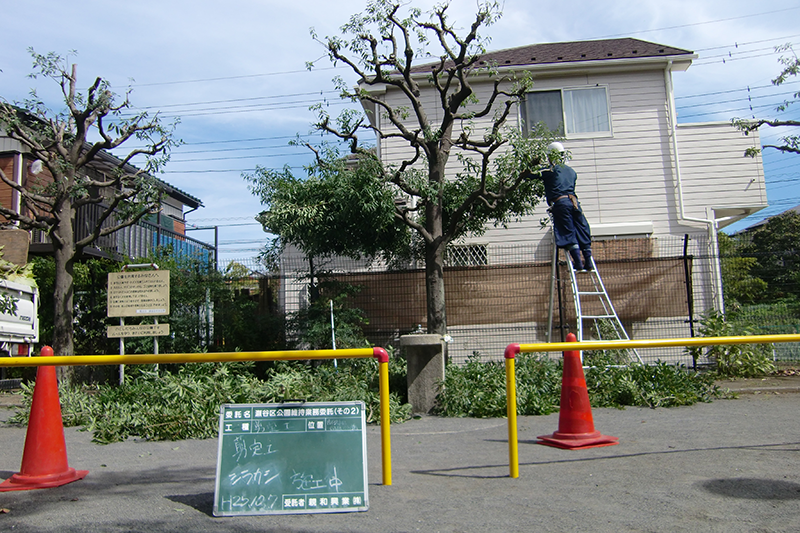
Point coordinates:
[(466, 255), (571, 135)]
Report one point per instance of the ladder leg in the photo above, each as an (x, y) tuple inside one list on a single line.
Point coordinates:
[(597, 290)]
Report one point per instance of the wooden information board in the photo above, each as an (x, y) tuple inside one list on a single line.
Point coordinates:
[(138, 330), (138, 293), (291, 458)]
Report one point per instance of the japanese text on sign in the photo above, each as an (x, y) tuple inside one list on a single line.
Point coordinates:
[(278, 459), (138, 330), (138, 293)]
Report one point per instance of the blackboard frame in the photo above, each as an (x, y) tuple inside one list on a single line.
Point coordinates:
[(291, 458)]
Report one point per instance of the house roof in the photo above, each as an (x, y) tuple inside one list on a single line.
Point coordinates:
[(183, 197), (106, 159), (753, 227), (575, 52)]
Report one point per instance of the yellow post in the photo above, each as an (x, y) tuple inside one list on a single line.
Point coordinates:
[(511, 410), (386, 439)]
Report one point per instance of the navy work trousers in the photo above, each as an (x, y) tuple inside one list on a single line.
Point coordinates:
[(570, 226)]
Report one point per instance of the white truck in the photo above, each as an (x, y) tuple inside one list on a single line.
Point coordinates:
[(19, 321), (19, 296)]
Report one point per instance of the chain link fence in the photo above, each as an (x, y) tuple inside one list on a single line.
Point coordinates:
[(497, 295)]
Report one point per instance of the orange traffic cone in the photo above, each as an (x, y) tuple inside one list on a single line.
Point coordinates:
[(44, 460), (575, 423)]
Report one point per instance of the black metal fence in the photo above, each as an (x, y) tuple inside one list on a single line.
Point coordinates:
[(660, 288)]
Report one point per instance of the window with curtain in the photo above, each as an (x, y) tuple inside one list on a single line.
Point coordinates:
[(582, 112)]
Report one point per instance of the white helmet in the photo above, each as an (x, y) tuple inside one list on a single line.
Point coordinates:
[(557, 146)]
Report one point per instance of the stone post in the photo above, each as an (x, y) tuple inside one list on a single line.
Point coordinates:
[(425, 357)]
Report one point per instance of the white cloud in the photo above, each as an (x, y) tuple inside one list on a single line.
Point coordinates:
[(258, 49)]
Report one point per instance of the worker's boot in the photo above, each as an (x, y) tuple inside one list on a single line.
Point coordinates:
[(588, 262), (575, 254)]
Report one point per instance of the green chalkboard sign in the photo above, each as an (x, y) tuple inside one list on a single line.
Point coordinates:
[(291, 458)]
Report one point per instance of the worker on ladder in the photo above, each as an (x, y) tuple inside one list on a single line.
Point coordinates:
[(570, 227)]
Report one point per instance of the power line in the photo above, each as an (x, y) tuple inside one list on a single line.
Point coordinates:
[(249, 109), (250, 99), (194, 228), (280, 106), (256, 139), (240, 77), (702, 62), (741, 89), (698, 23), (234, 109), (749, 98), (224, 219), (736, 45), (237, 158)]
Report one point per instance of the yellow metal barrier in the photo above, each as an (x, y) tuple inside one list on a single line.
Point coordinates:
[(288, 355), (513, 349)]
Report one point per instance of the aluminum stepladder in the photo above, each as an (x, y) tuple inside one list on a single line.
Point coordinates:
[(592, 303)]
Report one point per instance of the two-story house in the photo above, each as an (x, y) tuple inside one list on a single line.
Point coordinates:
[(655, 191)]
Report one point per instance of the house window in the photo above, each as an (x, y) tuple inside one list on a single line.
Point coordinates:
[(469, 255), (580, 112)]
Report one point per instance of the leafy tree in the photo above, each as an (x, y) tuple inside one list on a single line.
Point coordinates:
[(739, 285), (776, 249), (313, 323), (789, 143), (359, 205), (120, 195)]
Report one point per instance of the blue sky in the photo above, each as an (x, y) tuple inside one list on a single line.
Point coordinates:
[(236, 76)]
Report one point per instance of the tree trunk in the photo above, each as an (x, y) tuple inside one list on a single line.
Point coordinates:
[(438, 153), (434, 272), (434, 288), (64, 255)]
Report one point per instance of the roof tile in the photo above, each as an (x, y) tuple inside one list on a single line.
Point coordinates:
[(575, 51)]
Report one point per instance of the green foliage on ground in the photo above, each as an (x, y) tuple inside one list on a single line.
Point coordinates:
[(733, 360), (478, 389), (658, 385), (183, 402)]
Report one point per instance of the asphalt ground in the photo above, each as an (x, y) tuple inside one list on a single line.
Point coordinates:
[(727, 466)]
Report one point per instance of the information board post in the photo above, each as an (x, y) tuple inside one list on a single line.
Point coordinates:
[(291, 458), (138, 292)]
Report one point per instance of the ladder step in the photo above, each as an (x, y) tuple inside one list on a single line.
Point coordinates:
[(602, 294)]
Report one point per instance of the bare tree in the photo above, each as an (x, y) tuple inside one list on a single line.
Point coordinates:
[(78, 171), (386, 49)]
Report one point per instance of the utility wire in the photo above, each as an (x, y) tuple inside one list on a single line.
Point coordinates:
[(680, 26)]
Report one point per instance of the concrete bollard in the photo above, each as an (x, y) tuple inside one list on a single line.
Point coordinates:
[(425, 355)]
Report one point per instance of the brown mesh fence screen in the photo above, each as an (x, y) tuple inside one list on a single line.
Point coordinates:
[(660, 288)]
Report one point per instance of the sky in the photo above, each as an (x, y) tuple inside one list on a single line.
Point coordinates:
[(236, 76)]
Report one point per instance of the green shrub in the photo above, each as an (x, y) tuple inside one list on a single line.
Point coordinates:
[(733, 360), (478, 389), (658, 385), (183, 401)]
